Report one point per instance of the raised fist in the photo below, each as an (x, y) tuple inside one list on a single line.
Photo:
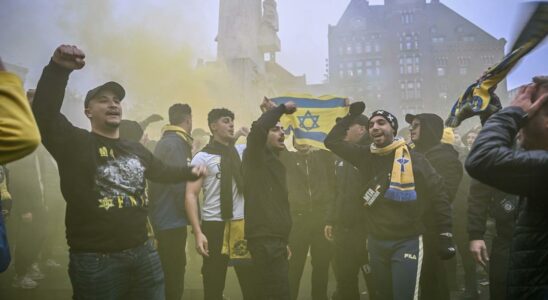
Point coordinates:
[(356, 108), (267, 104), (290, 107), (69, 57)]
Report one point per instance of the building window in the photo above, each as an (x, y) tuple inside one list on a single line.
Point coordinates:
[(409, 41), (359, 48), (349, 49), (367, 48), (438, 40), (409, 64), (410, 89), (359, 72), (441, 71), (407, 18), (468, 38), (463, 70)]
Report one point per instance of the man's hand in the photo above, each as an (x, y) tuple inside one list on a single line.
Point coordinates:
[(524, 99), (69, 57), (290, 107), (243, 131), (447, 247), (199, 171), (267, 104), (2, 68), (26, 217), (328, 232), (201, 244), (356, 108), (479, 252)]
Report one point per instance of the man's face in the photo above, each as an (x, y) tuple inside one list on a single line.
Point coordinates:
[(355, 133), (275, 138), (223, 129), (470, 138), (104, 110), (380, 131), (415, 130)]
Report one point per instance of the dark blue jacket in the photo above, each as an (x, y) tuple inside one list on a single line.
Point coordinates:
[(167, 201)]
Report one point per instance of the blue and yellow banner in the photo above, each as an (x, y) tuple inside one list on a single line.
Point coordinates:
[(479, 98), (314, 118)]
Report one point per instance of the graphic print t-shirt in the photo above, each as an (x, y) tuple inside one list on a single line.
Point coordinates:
[(211, 208)]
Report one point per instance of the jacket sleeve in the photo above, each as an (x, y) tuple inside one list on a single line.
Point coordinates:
[(158, 171), (438, 197), (353, 153), (256, 140), (452, 176), (172, 151), (478, 208), (493, 161), (19, 134), (54, 127)]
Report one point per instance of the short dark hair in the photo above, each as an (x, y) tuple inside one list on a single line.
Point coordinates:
[(179, 112), (217, 113)]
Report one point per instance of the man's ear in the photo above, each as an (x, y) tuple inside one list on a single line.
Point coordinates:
[(86, 111)]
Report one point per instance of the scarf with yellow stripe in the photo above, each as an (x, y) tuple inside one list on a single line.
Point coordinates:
[(179, 131), (402, 182)]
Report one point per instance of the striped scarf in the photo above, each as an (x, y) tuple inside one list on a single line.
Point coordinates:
[(402, 182)]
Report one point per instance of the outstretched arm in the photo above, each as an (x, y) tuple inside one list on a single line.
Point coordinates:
[(54, 126)]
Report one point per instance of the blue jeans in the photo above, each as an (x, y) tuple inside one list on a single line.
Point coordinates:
[(134, 273), (395, 267)]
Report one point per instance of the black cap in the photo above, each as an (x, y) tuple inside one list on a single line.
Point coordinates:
[(111, 85), (362, 120)]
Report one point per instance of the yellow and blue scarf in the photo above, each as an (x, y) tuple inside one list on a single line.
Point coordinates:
[(402, 182)]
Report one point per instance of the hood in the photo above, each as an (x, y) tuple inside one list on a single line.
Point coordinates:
[(431, 130)]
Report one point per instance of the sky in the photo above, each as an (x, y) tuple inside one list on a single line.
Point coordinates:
[(32, 29)]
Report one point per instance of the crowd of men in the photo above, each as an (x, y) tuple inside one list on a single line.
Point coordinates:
[(395, 210)]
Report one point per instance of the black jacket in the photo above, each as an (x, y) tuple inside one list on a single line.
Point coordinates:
[(493, 161), (265, 192), (485, 201), (443, 157), (310, 181), (387, 219), (347, 209)]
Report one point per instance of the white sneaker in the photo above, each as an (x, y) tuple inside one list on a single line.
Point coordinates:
[(50, 263), (24, 282), (35, 273)]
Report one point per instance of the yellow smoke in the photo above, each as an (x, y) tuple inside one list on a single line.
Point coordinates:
[(150, 48)]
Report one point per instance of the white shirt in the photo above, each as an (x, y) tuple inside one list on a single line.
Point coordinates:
[(211, 208)]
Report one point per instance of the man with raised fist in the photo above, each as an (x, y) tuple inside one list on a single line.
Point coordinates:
[(103, 182)]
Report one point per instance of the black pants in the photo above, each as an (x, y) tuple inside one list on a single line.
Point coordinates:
[(307, 234), (272, 267), (215, 266), (29, 242), (349, 256), (433, 282), (498, 268), (171, 248)]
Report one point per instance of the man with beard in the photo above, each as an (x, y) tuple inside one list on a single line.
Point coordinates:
[(268, 220), (426, 133), (345, 220), (222, 212), (401, 184), (103, 181), (493, 161)]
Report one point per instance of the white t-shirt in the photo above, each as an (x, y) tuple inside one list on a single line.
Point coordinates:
[(211, 208)]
